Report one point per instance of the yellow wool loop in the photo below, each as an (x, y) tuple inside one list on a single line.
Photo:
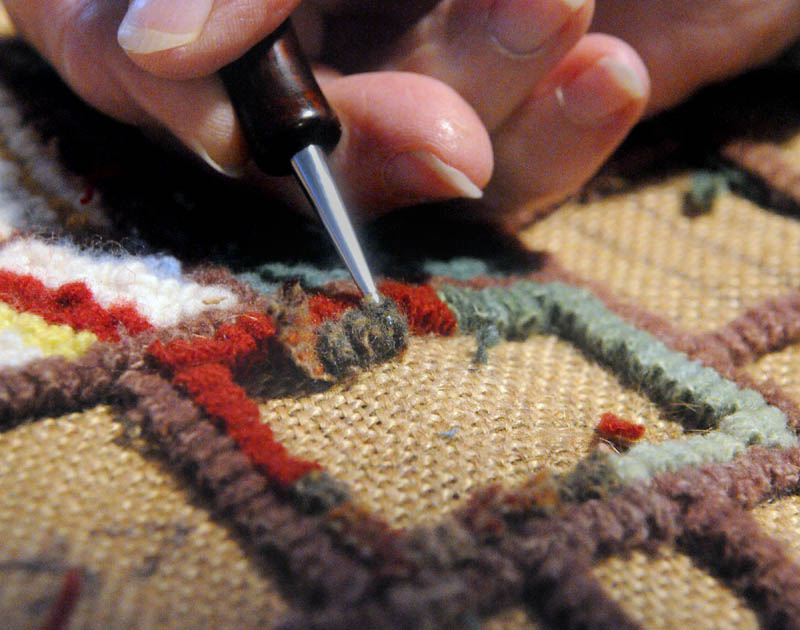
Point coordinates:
[(51, 339)]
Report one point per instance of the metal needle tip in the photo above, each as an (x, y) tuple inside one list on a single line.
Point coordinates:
[(312, 170)]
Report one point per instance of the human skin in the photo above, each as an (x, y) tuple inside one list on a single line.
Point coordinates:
[(512, 100)]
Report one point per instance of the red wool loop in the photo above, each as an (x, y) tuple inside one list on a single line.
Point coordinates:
[(204, 367), (617, 430), (211, 386), (233, 345), (71, 304), (323, 307), (425, 312), (129, 317)]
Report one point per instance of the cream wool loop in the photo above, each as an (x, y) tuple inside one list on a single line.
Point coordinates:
[(163, 301), (30, 336)]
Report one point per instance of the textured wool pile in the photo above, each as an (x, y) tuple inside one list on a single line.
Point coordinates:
[(593, 425)]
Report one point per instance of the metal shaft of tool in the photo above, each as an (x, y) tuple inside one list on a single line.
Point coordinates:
[(311, 169)]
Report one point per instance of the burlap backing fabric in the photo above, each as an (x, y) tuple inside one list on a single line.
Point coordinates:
[(414, 439)]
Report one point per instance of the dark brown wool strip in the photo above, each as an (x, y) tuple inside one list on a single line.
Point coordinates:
[(455, 597), (563, 594), (554, 557), (731, 544), (768, 327), (57, 385), (296, 545), (672, 510), (645, 516), (766, 161), (757, 475)]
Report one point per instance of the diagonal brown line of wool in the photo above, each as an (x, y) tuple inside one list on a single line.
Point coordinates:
[(563, 594), (766, 328), (765, 161), (729, 541), (295, 544), (667, 512), (57, 385), (460, 583)]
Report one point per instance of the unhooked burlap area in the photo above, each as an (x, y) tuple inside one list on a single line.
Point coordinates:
[(412, 438)]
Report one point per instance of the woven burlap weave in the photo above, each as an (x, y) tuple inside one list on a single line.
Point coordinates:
[(413, 438)]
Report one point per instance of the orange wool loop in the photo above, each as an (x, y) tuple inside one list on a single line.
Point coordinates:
[(72, 304), (618, 430), (425, 312)]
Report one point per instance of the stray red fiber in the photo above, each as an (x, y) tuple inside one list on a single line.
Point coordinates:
[(67, 598), (618, 431)]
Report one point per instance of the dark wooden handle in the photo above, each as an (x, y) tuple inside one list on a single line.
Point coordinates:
[(278, 102)]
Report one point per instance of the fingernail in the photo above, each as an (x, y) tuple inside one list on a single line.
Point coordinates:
[(153, 25), (422, 170), (228, 171), (607, 86), (520, 27)]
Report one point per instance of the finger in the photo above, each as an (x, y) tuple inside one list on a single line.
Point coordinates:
[(493, 52), (77, 38), (407, 138), (686, 45), (197, 111), (182, 39), (569, 125)]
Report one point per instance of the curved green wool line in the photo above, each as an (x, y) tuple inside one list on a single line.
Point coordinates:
[(269, 276), (739, 417), (462, 268)]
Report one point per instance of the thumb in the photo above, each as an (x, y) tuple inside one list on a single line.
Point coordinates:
[(183, 39)]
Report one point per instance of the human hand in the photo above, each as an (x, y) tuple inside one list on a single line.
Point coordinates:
[(420, 118), (687, 44), (517, 76)]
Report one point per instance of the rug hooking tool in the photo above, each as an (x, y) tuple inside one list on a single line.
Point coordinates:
[(289, 127)]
